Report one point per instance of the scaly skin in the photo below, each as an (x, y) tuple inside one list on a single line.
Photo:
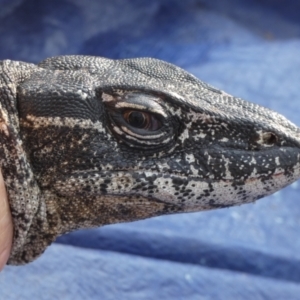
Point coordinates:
[(87, 141)]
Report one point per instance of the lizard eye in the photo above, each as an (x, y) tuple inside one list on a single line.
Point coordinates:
[(141, 120)]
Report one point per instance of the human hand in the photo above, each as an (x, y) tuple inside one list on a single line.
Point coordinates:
[(6, 226)]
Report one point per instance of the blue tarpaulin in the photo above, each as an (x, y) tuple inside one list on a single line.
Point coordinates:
[(250, 49)]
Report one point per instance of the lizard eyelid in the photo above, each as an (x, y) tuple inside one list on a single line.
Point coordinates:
[(136, 113)]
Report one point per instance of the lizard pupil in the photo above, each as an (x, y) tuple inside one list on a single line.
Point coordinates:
[(137, 119), (141, 120)]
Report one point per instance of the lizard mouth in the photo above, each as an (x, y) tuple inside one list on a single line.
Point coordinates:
[(186, 193)]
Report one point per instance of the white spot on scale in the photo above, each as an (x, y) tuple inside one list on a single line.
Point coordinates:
[(107, 97), (82, 94), (194, 170), (224, 139), (228, 174), (190, 158), (184, 135), (254, 173)]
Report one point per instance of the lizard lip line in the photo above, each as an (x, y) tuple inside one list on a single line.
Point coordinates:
[(187, 177)]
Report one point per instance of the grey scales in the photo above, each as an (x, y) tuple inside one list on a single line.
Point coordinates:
[(88, 141)]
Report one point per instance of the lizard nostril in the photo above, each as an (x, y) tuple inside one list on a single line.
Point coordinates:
[(269, 138)]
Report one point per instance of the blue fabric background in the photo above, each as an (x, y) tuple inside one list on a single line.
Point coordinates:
[(248, 48)]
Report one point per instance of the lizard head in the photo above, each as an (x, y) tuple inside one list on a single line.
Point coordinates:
[(121, 140)]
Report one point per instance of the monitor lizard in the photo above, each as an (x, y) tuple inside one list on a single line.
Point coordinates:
[(88, 141)]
